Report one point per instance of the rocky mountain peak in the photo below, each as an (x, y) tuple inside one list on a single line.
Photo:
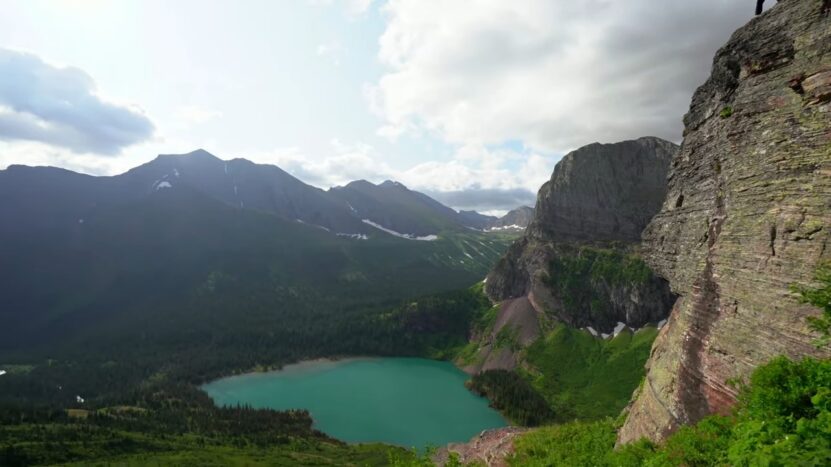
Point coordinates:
[(604, 192)]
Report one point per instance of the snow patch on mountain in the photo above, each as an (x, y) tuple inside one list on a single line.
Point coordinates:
[(426, 238), (505, 227), (619, 328), (313, 225), (355, 236)]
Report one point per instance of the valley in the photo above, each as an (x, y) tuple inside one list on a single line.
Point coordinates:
[(661, 304)]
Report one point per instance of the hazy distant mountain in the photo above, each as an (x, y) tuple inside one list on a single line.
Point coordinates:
[(397, 208), (46, 197), (516, 219), (476, 220)]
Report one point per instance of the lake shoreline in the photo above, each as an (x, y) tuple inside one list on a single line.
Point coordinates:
[(365, 399)]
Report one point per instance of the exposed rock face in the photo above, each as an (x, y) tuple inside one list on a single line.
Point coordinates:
[(601, 195), (748, 212), (515, 219), (604, 192), (517, 317), (490, 447)]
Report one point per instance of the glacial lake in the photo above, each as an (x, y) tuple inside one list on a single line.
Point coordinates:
[(409, 402)]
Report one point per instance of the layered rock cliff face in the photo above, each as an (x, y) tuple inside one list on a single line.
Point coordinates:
[(604, 192), (599, 199), (747, 213)]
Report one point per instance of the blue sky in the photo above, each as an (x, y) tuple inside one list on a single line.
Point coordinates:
[(471, 101)]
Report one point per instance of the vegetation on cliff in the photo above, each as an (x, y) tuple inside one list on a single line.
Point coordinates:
[(579, 279), (783, 418), (587, 378), (819, 297), (569, 372)]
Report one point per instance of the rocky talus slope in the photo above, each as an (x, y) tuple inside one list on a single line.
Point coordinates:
[(599, 197), (747, 214)]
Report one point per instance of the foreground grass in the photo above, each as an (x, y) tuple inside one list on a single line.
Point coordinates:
[(324, 454), (53, 444)]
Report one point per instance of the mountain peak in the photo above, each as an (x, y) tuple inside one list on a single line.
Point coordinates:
[(358, 184), (201, 153), (197, 155), (392, 184)]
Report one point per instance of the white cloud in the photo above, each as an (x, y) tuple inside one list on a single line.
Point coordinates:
[(61, 107), (353, 7), (477, 167), (195, 115), (332, 50), (554, 74), (474, 178), (346, 163)]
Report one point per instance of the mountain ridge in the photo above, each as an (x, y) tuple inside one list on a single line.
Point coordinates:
[(247, 185)]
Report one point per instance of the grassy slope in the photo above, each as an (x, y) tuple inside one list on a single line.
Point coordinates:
[(782, 418), (585, 377)]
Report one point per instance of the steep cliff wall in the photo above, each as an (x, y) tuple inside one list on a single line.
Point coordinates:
[(590, 214), (747, 213), (604, 192)]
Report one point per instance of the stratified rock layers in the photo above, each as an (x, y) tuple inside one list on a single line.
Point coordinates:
[(747, 214), (601, 195)]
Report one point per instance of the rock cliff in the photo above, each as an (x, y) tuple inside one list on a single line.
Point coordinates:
[(588, 220), (747, 213), (604, 192)]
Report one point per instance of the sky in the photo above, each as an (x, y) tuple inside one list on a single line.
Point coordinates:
[(470, 101)]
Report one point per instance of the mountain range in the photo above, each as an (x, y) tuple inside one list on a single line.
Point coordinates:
[(45, 196), (171, 231)]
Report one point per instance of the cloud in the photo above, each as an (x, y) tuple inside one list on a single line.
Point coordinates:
[(475, 177), (332, 50), (195, 115), (554, 74), (348, 162), (485, 199), (60, 107), (353, 7)]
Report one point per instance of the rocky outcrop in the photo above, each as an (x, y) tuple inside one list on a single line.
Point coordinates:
[(747, 214), (603, 192), (599, 199), (491, 448)]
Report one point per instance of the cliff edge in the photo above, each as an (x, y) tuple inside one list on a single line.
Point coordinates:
[(747, 214), (588, 220)]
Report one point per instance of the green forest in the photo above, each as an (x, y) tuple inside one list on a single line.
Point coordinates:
[(143, 407)]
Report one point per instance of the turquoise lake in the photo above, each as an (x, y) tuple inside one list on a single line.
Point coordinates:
[(409, 402)]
